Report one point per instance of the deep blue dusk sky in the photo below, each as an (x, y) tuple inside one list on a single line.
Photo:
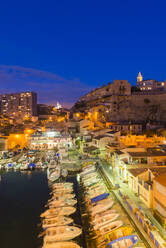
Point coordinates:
[(64, 48)]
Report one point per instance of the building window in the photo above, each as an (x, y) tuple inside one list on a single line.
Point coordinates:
[(161, 189), (160, 209)]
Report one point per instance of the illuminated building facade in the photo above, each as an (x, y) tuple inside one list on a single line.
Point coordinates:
[(49, 140), (149, 84), (19, 105), (160, 199)]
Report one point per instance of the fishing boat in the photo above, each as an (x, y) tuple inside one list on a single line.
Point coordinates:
[(101, 207), (66, 244), (89, 176), (17, 166), (87, 171), (94, 185), (95, 193), (92, 181), (101, 221), (62, 188), (96, 189), (54, 174), (56, 221), (9, 166), (62, 185), (61, 196), (64, 173), (123, 242), (24, 165), (52, 212), (111, 226), (62, 191), (102, 214), (61, 233), (62, 203), (99, 197)]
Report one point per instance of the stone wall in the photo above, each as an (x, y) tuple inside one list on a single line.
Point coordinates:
[(122, 105), (139, 108)]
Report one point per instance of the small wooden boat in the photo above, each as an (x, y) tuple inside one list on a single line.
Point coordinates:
[(65, 244), (94, 185), (62, 185), (62, 203), (61, 233), (54, 174), (98, 187), (58, 211), (64, 173), (89, 176), (102, 214), (101, 221), (99, 198), (101, 207), (89, 182), (123, 242), (96, 191), (88, 171), (56, 221), (63, 191), (110, 226), (58, 196)]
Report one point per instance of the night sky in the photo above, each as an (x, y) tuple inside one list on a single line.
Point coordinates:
[(63, 48)]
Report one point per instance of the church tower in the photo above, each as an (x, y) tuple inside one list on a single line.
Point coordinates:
[(139, 78)]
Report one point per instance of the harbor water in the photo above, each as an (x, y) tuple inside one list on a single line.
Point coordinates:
[(23, 196), (22, 199)]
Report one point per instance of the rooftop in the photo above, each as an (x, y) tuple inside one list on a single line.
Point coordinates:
[(149, 153), (137, 171), (102, 136), (157, 171), (161, 179)]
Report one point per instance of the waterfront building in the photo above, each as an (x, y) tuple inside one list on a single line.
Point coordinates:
[(159, 200), (21, 105), (141, 181), (41, 140), (17, 140)]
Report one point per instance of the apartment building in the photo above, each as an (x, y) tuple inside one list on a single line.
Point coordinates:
[(159, 200), (19, 105)]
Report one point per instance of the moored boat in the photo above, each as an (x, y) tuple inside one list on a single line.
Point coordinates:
[(61, 233), (123, 242), (62, 191), (101, 207), (62, 203), (64, 173), (101, 221), (102, 214), (111, 226), (65, 244), (92, 181), (58, 211), (62, 185), (62, 196), (54, 174), (56, 221), (99, 197)]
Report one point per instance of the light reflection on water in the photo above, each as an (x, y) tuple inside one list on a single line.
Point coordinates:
[(23, 196), (22, 199)]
